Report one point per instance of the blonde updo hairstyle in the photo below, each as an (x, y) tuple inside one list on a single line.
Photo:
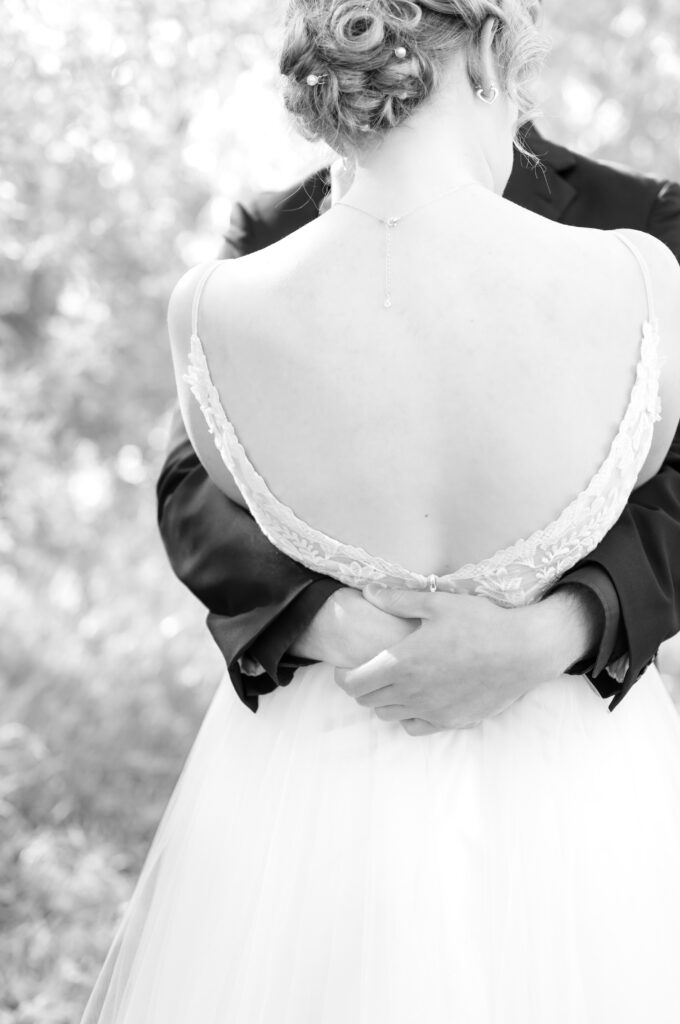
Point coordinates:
[(365, 88)]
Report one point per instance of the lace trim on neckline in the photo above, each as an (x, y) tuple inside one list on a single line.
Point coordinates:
[(626, 448)]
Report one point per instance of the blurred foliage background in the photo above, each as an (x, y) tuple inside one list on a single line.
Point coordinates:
[(127, 127)]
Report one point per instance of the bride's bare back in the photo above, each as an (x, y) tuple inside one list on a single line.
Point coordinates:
[(463, 418)]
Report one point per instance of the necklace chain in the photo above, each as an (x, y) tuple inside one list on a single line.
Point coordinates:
[(392, 222)]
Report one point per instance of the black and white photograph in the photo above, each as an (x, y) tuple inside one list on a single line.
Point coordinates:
[(340, 512)]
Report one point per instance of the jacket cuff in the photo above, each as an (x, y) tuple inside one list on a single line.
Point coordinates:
[(237, 638), (271, 648), (604, 666)]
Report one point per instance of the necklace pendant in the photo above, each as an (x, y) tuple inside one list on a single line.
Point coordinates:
[(390, 223)]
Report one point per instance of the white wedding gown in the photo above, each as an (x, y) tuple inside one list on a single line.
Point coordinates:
[(317, 865)]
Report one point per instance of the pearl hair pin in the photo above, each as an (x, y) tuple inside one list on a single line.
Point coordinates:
[(400, 52), (313, 80)]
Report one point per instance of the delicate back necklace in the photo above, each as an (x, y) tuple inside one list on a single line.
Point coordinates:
[(391, 223)]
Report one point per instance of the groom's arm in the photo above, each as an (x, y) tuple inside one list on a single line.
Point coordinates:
[(641, 556), (636, 568), (259, 600)]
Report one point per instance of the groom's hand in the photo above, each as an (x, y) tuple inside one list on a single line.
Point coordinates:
[(469, 659), (348, 630)]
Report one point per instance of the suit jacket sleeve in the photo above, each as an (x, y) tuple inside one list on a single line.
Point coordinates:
[(641, 554), (259, 601)]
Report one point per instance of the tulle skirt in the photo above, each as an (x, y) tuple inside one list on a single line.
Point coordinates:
[(319, 866)]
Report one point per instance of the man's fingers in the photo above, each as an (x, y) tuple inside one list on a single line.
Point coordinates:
[(394, 713), (380, 698), (406, 604), (417, 727), (374, 675)]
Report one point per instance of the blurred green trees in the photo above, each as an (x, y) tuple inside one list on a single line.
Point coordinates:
[(127, 127)]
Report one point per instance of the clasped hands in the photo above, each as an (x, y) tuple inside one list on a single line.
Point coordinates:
[(436, 661)]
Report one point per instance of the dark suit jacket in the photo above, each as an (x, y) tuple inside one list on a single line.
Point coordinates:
[(260, 601)]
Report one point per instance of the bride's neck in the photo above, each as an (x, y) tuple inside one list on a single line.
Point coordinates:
[(435, 150)]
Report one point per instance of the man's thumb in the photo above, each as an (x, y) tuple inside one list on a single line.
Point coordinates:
[(407, 604)]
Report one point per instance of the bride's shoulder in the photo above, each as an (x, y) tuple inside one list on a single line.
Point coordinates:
[(205, 321), (630, 263), (208, 284), (659, 266), (229, 311), (224, 298), (659, 258), (245, 279), (660, 271)]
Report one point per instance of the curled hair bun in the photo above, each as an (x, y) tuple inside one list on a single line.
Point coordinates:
[(365, 85), (375, 61)]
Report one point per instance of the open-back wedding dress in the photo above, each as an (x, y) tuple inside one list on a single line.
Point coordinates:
[(317, 865)]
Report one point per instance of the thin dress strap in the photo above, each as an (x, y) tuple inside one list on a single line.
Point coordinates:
[(203, 280), (646, 276)]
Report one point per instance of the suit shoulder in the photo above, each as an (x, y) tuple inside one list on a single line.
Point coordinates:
[(275, 213), (610, 172), (572, 164), (614, 194), (627, 199)]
